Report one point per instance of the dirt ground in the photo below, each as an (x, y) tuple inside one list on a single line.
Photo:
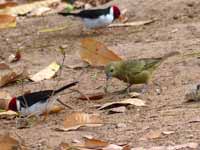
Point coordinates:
[(177, 28)]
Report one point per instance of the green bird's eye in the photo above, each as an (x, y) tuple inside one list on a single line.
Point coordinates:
[(111, 70)]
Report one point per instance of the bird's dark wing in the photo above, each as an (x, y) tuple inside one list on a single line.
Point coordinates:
[(32, 98), (93, 13)]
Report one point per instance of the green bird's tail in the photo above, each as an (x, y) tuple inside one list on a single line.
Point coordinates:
[(166, 56)]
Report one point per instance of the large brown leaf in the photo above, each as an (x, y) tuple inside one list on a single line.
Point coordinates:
[(96, 53), (7, 21)]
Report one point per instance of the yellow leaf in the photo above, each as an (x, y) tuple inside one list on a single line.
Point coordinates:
[(96, 53), (46, 73)]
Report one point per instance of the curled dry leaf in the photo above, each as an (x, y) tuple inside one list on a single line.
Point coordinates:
[(80, 119), (47, 73), (96, 53), (8, 143), (4, 66), (7, 21), (130, 101)]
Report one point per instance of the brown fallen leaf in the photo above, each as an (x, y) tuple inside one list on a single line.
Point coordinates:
[(79, 119), (8, 143), (96, 53), (8, 4), (5, 98), (12, 74), (47, 73), (7, 21), (94, 143), (130, 101), (93, 96)]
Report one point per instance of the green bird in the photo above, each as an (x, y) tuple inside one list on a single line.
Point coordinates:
[(138, 71)]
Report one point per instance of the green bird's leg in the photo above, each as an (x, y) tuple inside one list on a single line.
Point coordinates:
[(145, 88), (127, 89)]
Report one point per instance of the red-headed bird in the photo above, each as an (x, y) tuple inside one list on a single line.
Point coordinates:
[(97, 18), (36, 102)]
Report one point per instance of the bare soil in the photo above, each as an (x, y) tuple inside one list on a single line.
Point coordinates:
[(177, 28)]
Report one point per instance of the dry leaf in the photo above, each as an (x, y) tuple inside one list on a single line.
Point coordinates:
[(153, 134), (8, 4), (46, 73), (11, 75), (130, 101), (8, 143), (127, 24), (26, 8), (94, 143), (80, 119), (93, 96), (5, 98), (96, 53), (8, 114), (7, 21)]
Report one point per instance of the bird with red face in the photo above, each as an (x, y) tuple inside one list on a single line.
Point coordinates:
[(35, 103), (97, 18)]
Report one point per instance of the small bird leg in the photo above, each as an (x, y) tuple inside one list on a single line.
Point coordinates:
[(145, 88)]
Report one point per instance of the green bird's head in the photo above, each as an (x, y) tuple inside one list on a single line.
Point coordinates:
[(112, 69)]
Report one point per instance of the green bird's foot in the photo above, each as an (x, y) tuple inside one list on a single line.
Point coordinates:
[(145, 89)]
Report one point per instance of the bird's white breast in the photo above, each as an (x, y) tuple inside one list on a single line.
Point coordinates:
[(36, 109), (99, 22)]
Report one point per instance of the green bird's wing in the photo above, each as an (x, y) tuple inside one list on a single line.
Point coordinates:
[(152, 63)]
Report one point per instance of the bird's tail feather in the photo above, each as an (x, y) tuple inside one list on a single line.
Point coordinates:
[(170, 55), (68, 14), (65, 87)]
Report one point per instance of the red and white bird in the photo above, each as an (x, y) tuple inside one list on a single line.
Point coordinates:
[(36, 102), (97, 18)]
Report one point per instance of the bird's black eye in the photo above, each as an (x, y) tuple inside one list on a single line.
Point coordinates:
[(111, 70)]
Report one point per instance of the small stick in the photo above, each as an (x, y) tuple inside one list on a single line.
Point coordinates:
[(68, 106), (81, 93)]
